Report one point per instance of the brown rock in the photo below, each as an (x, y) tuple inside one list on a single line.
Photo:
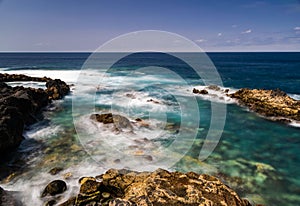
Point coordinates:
[(56, 170), (273, 104), (119, 122), (55, 187), (125, 187), (203, 91)]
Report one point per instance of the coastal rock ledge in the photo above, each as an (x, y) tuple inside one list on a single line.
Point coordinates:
[(20, 106), (272, 104), (158, 188)]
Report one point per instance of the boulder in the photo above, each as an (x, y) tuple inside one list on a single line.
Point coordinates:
[(125, 187), (55, 187), (120, 122)]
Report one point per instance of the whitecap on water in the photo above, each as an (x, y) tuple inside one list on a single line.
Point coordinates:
[(217, 95), (29, 187), (295, 96), (139, 149), (295, 124), (31, 84), (42, 131)]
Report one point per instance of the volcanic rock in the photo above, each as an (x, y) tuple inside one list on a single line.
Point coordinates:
[(273, 104), (20, 107), (125, 187)]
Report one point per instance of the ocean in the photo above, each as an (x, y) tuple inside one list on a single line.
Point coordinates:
[(258, 158)]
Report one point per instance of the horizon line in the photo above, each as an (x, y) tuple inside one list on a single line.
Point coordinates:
[(209, 51)]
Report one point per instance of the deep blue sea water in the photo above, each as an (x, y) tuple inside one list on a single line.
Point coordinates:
[(257, 157)]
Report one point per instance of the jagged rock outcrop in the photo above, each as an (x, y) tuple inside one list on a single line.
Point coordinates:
[(21, 106), (56, 89), (273, 104), (163, 188)]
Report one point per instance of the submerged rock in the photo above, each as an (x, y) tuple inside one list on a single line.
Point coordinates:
[(56, 170), (120, 122), (214, 87), (273, 104), (125, 187), (55, 187)]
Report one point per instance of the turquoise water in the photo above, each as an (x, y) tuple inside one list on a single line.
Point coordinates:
[(257, 157)]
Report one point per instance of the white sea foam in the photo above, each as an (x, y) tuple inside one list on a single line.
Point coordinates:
[(295, 96), (137, 149), (295, 124), (42, 132), (31, 84), (31, 185)]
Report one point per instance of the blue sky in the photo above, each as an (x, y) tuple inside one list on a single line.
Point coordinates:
[(83, 25)]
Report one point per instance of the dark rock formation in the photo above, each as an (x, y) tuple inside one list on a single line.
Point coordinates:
[(124, 187), (57, 89), (119, 121), (197, 91), (6, 199), (21, 106), (273, 104), (55, 187)]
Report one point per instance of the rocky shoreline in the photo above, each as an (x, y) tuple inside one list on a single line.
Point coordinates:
[(275, 105), (125, 187), (21, 107), (272, 104)]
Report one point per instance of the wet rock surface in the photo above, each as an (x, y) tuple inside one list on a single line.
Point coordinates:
[(273, 104), (120, 122), (6, 199), (55, 187), (202, 91), (20, 107), (124, 187)]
